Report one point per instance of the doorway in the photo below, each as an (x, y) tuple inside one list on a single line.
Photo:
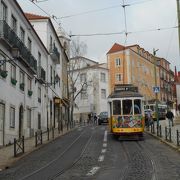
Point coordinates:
[(21, 113)]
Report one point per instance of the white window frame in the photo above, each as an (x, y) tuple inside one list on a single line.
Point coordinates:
[(14, 23), (29, 44), (22, 34), (12, 117), (83, 77), (103, 93), (13, 71), (103, 77), (29, 83), (21, 77), (118, 77), (28, 118), (84, 94), (4, 11), (118, 62)]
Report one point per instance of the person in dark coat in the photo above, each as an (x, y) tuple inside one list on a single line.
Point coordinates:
[(170, 117)]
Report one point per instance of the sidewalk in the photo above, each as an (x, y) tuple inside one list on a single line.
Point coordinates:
[(174, 137), (7, 153)]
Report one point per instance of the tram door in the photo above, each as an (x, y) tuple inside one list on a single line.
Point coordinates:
[(2, 120)]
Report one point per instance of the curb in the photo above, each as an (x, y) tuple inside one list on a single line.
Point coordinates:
[(174, 147)]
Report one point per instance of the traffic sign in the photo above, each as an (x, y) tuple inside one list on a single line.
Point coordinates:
[(156, 89)]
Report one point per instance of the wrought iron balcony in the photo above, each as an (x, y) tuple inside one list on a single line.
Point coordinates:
[(10, 38), (55, 54), (41, 74)]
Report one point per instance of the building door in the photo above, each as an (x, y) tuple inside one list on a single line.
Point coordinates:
[(2, 120), (20, 121)]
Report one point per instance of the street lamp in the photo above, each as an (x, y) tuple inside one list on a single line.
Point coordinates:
[(155, 76)]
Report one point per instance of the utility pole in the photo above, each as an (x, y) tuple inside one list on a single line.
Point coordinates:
[(155, 81)]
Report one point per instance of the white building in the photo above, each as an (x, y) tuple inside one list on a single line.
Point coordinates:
[(93, 98), (57, 62), (30, 79)]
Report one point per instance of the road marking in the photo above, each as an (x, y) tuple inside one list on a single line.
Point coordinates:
[(104, 144), (93, 171), (105, 136), (101, 158), (103, 151)]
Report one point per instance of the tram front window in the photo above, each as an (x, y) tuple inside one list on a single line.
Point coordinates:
[(127, 105), (116, 107), (137, 106)]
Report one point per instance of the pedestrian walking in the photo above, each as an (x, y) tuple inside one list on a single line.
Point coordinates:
[(170, 117), (95, 119), (149, 120)]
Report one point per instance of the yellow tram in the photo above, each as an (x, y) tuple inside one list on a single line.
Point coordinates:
[(125, 110)]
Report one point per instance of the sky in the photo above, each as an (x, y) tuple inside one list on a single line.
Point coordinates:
[(143, 19)]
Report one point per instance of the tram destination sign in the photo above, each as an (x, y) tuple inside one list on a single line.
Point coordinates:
[(126, 88)]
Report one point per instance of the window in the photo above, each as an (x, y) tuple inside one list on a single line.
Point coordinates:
[(39, 59), (21, 78), (2, 115), (116, 107), (118, 77), (83, 77), (51, 73), (54, 76), (4, 11), (29, 83), (103, 77), (84, 94), (127, 105), (137, 106), (50, 43), (29, 45), (118, 62), (28, 118), (3, 66), (13, 71), (14, 23), (103, 93), (39, 94), (12, 117), (39, 121), (22, 34)]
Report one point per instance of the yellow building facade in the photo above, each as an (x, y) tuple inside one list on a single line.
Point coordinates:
[(133, 65)]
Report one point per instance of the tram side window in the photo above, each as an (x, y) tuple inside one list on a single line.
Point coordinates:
[(137, 106), (116, 107), (127, 105)]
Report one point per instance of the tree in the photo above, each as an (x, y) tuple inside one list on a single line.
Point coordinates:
[(75, 69)]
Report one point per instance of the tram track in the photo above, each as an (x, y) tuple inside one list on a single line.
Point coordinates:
[(58, 158), (75, 162), (140, 165)]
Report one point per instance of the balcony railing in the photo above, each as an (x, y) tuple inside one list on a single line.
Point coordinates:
[(11, 38), (54, 54), (41, 74)]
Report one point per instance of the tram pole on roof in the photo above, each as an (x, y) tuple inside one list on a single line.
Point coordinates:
[(155, 80)]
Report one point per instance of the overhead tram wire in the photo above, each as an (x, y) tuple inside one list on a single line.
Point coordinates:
[(170, 41), (49, 15), (123, 32), (102, 9), (98, 34)]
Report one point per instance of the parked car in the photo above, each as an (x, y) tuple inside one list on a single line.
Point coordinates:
[(103, 117)]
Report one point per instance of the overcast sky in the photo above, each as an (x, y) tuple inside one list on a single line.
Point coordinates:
[(143, 18)]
